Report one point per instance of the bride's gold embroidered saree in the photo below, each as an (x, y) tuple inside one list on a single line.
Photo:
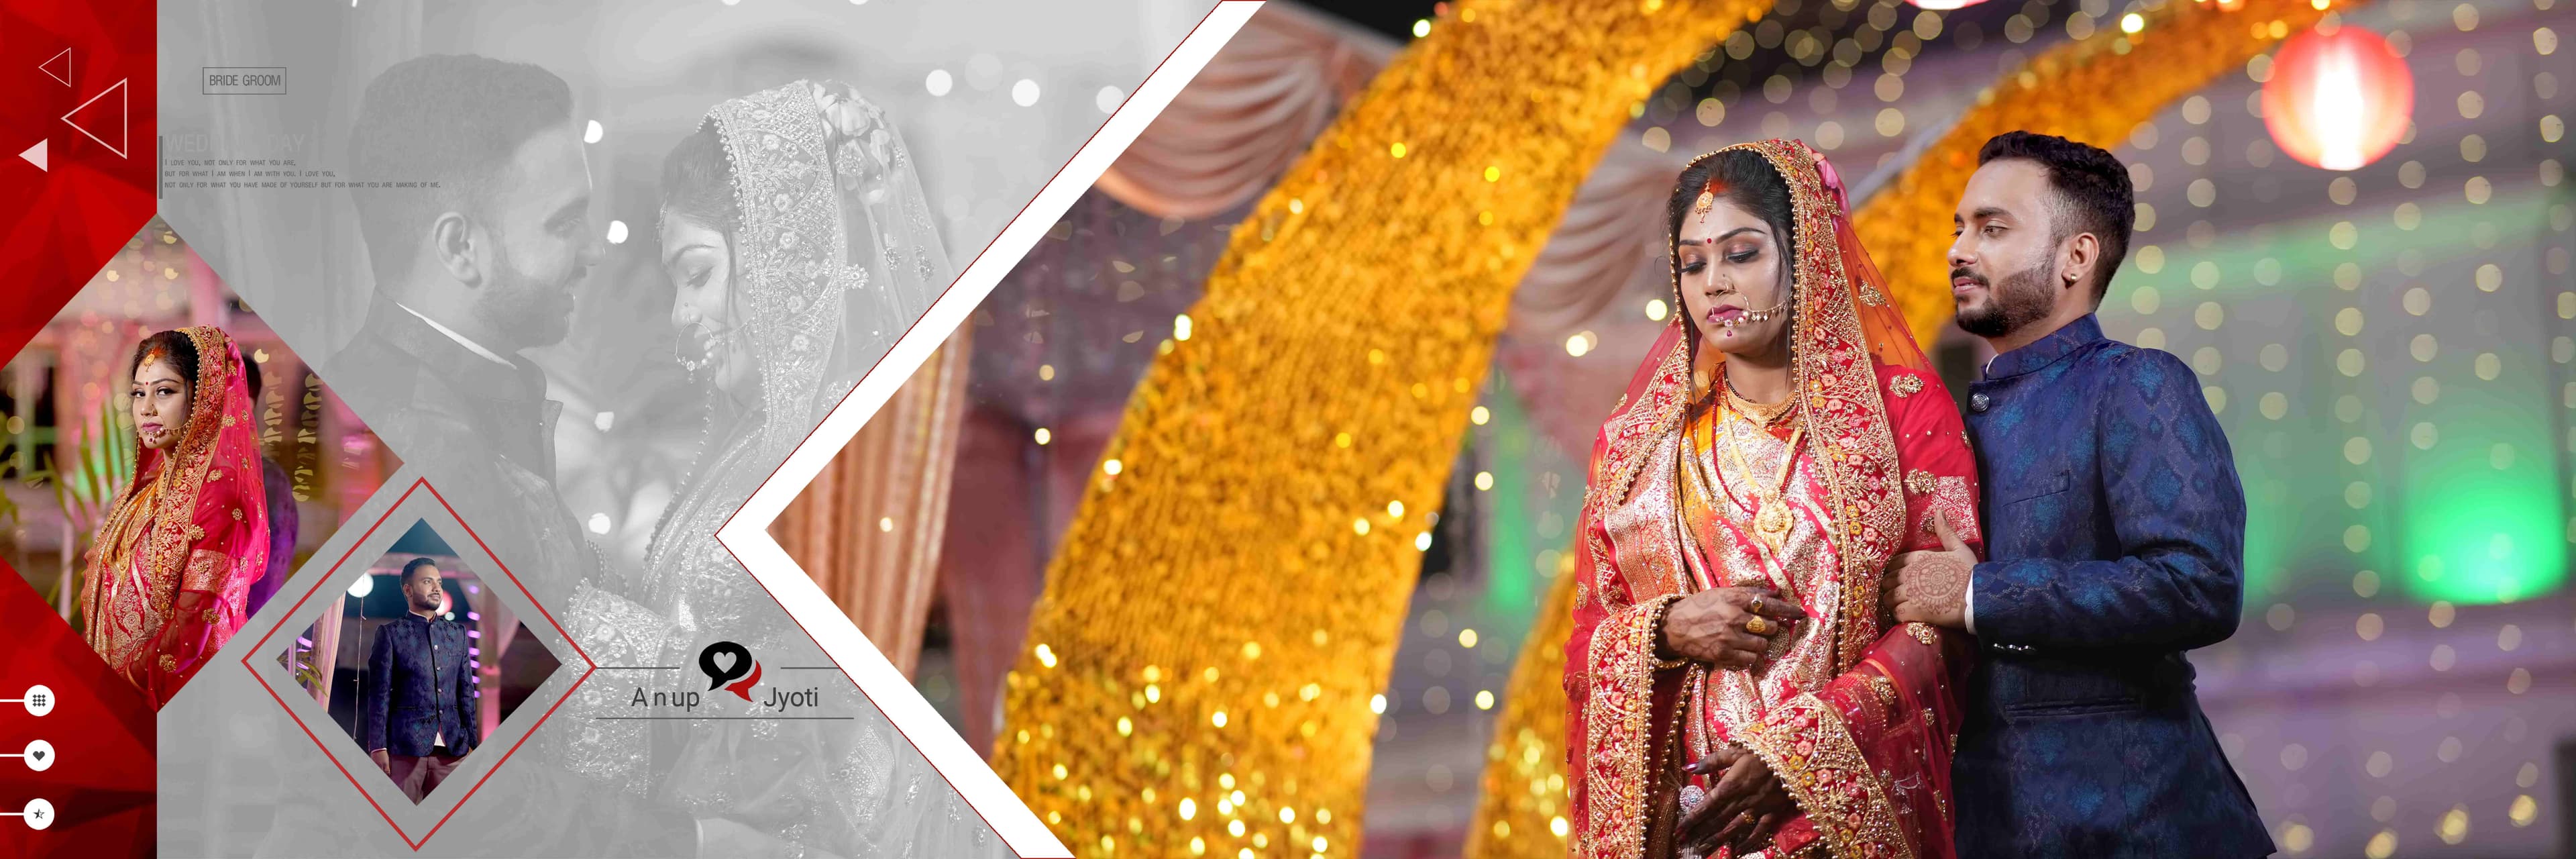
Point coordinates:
[(1855, 715)]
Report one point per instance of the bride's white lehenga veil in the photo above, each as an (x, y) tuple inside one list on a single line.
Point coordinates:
[(834, 258)]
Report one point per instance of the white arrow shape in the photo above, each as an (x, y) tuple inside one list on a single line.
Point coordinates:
[(47, 66), (36, 155), (747, 533), (119, 89)]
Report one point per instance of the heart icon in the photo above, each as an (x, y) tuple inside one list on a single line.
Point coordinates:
[(40, 754)]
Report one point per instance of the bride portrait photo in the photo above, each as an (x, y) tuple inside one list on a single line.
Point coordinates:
[(169, 462)]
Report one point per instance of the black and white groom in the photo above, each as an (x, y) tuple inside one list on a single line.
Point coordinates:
[(477, 226)]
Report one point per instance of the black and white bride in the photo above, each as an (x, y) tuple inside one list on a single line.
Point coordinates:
[(796, 234)]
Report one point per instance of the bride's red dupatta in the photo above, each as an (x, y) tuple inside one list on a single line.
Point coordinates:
[(1864, 744)]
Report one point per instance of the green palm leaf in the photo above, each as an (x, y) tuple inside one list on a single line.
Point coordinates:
[(85, 487)]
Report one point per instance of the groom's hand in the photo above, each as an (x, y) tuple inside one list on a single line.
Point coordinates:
[(1931, 586)]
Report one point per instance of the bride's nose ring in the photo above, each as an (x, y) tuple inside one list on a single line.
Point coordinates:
[(688, 314)]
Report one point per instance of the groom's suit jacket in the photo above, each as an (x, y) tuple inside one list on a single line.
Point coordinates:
[(2115, 531), (420, 692), (483, 433)]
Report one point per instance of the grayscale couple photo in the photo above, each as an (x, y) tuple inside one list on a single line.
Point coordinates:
[(593, 276)]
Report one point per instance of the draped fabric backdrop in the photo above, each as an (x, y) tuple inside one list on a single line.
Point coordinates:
[(868, 529), (1247, 115)]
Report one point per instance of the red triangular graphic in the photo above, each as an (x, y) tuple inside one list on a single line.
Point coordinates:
[(36, 155), (63, 58), (99, 117)]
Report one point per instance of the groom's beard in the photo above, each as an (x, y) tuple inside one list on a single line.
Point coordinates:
[(2019, 299), (526, 310)]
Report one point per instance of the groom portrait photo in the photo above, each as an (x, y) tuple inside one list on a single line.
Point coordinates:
[(419, 663), (422, 711)]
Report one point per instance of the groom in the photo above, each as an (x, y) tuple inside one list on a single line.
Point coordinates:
[(478, 230), (2115, 528)]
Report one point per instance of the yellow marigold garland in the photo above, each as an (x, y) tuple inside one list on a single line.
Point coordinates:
[(1227, 599), (2096, 90)]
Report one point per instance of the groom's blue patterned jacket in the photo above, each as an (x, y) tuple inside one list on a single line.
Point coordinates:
[(2115, 531), (420, 689)]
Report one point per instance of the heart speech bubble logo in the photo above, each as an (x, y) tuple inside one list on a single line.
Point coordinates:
[(738, 665)]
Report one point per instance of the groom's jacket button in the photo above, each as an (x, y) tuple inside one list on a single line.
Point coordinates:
[(1978, 402)]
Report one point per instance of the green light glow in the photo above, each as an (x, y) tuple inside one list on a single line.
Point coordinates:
[(1532, 509), (1506, 438), (2482, 519), (2476, 517)]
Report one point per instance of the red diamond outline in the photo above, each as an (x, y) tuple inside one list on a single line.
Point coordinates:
[(417, 484)]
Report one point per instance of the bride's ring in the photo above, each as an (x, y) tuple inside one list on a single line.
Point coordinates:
[(1755, 606), (1758, 625)]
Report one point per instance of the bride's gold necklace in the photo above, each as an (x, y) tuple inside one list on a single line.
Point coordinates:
[(1766, 416), (1771, 511), (1771, 519)]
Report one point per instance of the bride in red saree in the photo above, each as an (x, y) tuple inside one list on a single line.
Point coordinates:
[(169, 575), (1733, 687)]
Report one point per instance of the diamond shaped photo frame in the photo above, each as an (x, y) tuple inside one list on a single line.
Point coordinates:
[(305, 675)]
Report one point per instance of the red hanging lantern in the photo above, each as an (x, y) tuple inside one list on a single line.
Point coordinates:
[(2338, 100)]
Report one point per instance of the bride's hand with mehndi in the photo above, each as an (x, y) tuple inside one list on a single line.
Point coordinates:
[(1743, 809), (1726, 627)]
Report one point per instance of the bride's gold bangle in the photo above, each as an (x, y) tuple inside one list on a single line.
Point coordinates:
[(1664, 605)]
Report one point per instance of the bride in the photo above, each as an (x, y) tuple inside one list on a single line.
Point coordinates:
[(798, 239), (1733, 689), (165, 581)]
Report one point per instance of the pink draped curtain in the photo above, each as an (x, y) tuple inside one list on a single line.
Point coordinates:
[(869, 528), (1247, 115)]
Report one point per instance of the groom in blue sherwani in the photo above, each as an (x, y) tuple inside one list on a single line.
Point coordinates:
[(422, 712), (2115, 528)]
